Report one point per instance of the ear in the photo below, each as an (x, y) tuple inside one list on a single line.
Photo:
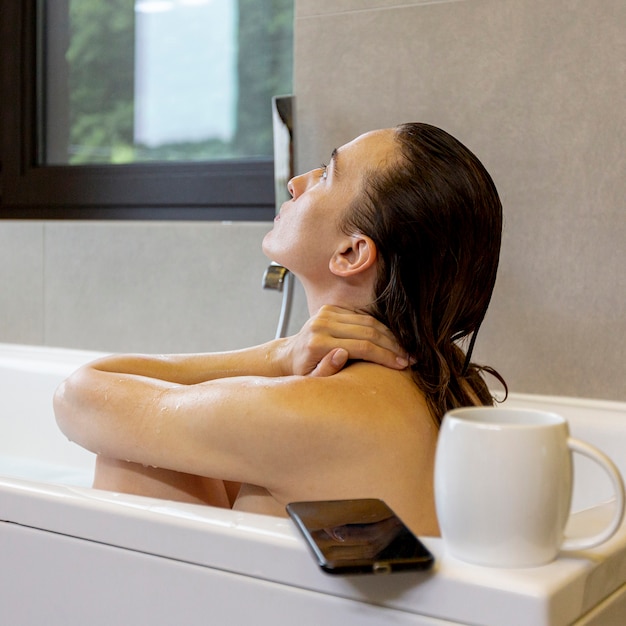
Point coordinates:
[(356, 254)]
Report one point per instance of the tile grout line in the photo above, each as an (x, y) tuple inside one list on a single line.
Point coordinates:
[(406, 5)]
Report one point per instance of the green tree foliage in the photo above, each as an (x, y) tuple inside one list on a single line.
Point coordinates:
[(265, 69), (100, 60), (101, 80)]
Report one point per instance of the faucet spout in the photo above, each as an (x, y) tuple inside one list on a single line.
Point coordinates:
[(274, 277)]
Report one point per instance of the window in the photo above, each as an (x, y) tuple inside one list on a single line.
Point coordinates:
[(142, 109)]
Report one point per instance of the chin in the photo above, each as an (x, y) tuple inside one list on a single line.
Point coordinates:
[(273, 255), (266, 245)]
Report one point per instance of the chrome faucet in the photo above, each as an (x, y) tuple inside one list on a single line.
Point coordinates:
[(281, 279), (276, 276)]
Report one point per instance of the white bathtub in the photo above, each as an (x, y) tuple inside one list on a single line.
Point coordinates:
[(74, 555)]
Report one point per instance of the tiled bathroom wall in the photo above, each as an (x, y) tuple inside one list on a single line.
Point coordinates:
[(535, 88), (136, 286)]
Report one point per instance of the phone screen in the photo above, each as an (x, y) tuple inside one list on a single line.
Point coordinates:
[(358, 536)]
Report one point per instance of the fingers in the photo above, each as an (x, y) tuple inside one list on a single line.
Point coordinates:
[(334, 335), (332, 363), (362, 335), (350, 324), (367, 351)]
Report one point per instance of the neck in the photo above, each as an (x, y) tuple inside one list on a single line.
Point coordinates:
[(341, 294)]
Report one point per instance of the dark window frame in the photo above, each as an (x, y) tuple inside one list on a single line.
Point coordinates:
[(227, 190)]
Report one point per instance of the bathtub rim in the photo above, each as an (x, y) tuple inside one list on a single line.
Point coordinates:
[(271, 549)]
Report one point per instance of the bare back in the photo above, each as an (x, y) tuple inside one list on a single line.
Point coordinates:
[(388, 447)]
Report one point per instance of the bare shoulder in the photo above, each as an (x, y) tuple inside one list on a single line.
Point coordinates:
[(392, 391), (363, 403), (376, 438), (364, 409)]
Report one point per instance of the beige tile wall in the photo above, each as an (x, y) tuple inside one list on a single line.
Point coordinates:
[(537, 90)]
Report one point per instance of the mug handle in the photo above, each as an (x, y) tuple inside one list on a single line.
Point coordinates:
[(610, 468)]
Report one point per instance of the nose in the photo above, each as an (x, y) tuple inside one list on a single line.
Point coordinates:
[(296, 185), (299, 184), (291, 187)]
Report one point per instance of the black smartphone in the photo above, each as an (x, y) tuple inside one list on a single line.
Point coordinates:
[(360, 536)]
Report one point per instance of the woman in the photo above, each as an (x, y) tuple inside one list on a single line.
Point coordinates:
[(404, 224), (436, 220)]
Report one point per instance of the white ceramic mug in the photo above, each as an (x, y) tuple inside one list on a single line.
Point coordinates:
[(503, 486)]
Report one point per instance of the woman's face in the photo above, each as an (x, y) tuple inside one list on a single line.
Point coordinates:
[(306, 231)]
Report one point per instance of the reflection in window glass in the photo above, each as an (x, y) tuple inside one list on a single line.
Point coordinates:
[(162, 80)]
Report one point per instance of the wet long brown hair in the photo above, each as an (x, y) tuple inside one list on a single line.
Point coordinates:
[(436, 219)]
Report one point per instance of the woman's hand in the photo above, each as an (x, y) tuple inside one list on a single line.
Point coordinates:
[(335, 335)]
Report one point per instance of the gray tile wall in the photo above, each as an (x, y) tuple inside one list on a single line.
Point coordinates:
[(537, 90), (21, 282), (138, 286)]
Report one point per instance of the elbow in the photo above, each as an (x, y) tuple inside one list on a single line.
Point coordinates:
[(78, 410), (61, 407), (67, 404)]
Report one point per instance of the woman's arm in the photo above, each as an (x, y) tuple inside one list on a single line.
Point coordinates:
[(273, 432), (147, 409), (321, 348)]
